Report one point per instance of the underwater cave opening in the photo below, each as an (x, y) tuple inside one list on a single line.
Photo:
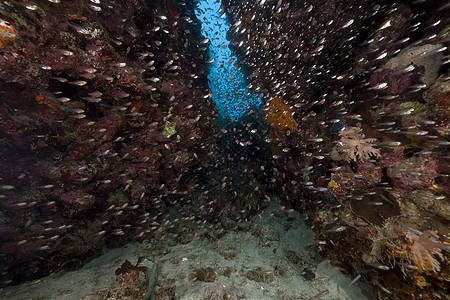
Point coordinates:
[(226, 77)]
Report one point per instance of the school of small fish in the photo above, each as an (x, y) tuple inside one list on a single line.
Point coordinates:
[(133, 120)]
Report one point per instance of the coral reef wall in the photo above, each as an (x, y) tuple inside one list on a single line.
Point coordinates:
[(103, 108), (356, 100), (106, 124)]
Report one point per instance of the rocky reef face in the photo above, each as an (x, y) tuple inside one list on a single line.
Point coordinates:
[(107, 124), (355, 105), (103, 108)]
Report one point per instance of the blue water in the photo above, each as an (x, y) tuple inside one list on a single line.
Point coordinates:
[(226, 78)]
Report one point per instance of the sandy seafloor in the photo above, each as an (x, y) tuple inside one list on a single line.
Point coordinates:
[(231, 257)]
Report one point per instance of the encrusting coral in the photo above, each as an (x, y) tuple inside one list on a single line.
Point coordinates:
[(354, 146), (279, 115)]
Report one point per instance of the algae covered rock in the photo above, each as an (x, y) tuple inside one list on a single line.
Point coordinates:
[(426, 199)]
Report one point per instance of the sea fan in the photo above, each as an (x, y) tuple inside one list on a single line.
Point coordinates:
[(424, 247), (354, 146)]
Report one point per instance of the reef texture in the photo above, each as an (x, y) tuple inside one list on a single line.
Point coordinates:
[(356, 107), (106, 124), (103, 108)]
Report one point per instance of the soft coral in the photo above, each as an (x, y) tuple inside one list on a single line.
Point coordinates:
[(354, 146), (424, 247)]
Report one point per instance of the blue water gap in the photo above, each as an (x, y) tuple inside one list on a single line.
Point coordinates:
[(225, 78)]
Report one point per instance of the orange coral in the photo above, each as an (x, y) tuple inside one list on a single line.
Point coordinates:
[(45, 101), (136, 106), (279, 115), (7, 32), (76, 18), (51, 104), (129, 84), (420, 281)]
